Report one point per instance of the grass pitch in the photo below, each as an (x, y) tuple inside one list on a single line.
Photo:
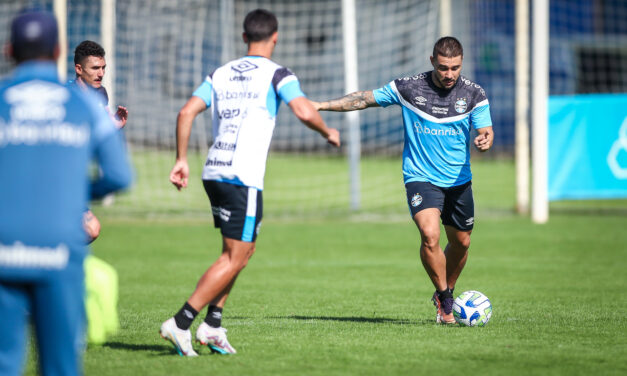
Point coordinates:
[(340, 296)]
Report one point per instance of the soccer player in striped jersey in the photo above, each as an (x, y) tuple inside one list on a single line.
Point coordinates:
[(244, 95), (439, 109)]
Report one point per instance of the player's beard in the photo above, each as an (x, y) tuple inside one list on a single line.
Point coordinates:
[(442, 82)]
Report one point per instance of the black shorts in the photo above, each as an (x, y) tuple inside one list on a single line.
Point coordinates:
[(237, 210), (456, 204)]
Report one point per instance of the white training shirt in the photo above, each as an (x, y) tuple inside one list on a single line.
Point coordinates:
[(245, 95)]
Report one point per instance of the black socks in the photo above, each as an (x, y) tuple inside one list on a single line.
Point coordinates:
[(185, 316), (214, 316), (448, 293)]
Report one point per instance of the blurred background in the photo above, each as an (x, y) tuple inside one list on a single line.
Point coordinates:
[(162, 50)]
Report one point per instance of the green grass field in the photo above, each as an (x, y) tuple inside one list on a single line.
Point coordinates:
[(347, 295)]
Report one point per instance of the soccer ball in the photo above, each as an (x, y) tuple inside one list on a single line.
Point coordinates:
[(472, 308)]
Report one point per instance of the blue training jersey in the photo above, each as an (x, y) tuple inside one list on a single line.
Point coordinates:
[(48, 134), (437, 126)]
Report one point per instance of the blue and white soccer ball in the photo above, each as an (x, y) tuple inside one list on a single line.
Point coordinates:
[(472, 308)]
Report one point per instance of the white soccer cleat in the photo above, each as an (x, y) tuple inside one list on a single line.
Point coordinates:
[(181, 339), (215, 338)]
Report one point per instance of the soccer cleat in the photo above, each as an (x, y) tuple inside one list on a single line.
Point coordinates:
[(181, 339), (215, 338), (442, 317)]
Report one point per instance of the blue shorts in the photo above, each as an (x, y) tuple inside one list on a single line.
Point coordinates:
[(55, 305), (456, 204), (237, 210)]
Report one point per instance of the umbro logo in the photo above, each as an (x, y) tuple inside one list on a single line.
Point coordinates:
[(243, 66), (420, 101), (470, 221)]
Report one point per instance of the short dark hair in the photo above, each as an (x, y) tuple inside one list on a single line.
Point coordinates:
[(86, 49), (448, 47), (259, 25)]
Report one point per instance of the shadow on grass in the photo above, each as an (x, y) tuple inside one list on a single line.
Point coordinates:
[(161, 349), (360, 319)]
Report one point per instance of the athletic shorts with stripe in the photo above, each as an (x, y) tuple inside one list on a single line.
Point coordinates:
[(237, 210), (456, 204)]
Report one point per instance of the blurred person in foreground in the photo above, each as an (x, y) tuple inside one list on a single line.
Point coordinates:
[(245, 95), (48, 135), (439, 109)]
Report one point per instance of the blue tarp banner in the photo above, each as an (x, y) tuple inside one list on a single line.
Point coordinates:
[(587, 146)]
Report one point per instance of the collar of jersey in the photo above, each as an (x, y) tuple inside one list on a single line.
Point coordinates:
[(39, 69), (441, 90)]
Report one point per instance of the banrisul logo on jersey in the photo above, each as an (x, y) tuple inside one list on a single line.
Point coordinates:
[(461, 105), (441, 130)]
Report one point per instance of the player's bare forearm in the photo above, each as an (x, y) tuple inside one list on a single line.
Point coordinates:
[(308, 115), (183, 131), (350, 102), (483, 142), (184, 123)]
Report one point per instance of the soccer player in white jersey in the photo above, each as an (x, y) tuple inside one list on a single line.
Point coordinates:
[(439, 109), (245, 95)]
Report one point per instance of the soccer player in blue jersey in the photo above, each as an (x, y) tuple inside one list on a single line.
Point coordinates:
[(439, 109), (245, 95), (90, 66), (48, 135)]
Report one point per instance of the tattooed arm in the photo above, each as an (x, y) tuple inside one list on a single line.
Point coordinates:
[(353, 101)]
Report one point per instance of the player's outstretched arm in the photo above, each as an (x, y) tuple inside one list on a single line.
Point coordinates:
[(308, 115), (483, 142), (350, 102), (180, 172)]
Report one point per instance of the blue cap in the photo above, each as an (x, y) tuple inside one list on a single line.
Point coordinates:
[(34, 33)]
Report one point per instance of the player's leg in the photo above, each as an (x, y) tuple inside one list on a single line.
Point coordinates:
[(210, 332), (425, 203), (456, 253), (215, 283), (59, 318), (237, 212), (458, 219), (214, 310), (14, 308), (214, 288), (434, 262), (245, 226), (431, 255)]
